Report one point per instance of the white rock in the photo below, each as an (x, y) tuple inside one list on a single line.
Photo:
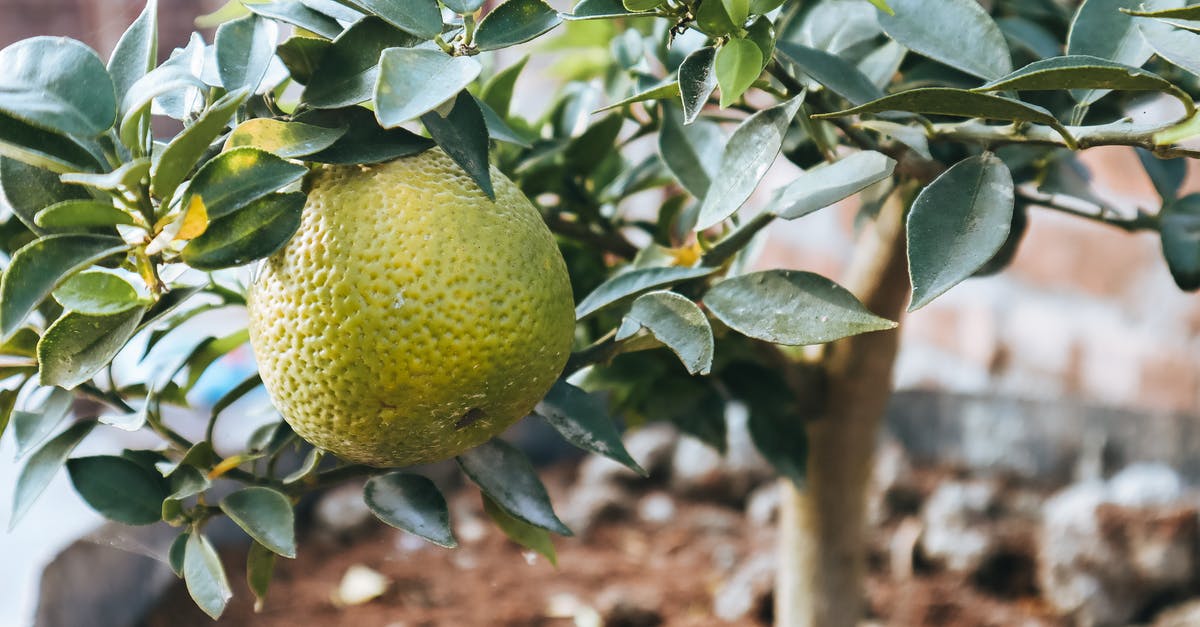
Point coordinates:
[(747, 590), (359, 585), (762, 508), (1143, 485), (958, 532), (656, 508)]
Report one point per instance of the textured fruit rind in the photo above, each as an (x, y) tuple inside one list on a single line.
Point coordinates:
[(410, 318)]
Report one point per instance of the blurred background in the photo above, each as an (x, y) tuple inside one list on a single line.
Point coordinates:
[(1080, 359)]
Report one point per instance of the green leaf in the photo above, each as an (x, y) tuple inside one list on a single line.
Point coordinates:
[(737, 66), (97, 293), (244, 49), (57, 84), (783, 440), (236, 178), (635, 282), (463, 134), (8, 400), (77, 346), (295, 13), (286, 139), (697, 80), (260, 567), (1101, 29), (1167, 175), (1085, 72), (120, 489), (586, 152), (255, 232), (205, 577), (835, 73), (583, 421), (175, 554), (180, 156), (209, 351), (172, 87), (912, 136), (515, 22), (302, 56), (506, 476), (187, 481), (666, 91), (463, 7), (1179, 225), (958, 102), (413, 82), (751, 150), (600, 10), (136, 53), (41, 266), (882, 5), (418, 17), (411, 503), (364, 142), (23, 343), (1177, 46), (958, 223), (676, 322), (498, 129), (31, 427), (637, 6), (336, 9), (349, 68), (247, 385), (42, 466), (791, 308), (958, 33), (524, 534), (266, 515), (497, 92), (714, 20), (30, 189), (762, 32), (43, 149), (823, 186), (130, 176), (1031, 36)]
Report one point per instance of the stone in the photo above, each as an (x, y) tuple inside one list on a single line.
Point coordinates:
[(762, 507), (589, 504), (1183, 615), (958, 524), (341, 514), (747, 592), (893, 491), (1142, 485), (656, 508)]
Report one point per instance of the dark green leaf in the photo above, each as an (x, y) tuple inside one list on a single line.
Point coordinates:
[(1029, 35), (97, 293), (1180, 228), (77, 345), (260, 566), (176, 553), (676, 322), (635, 282), (506, 476), (910, 135), (57, 84), (180, 156), (585, 153), (31, 427), (41, 266), (498, 129), (286, 139), (497, 92), (30, 189), (514, 22), (463, 134), (295, 13), (247, 385), (463, 7), (584, 421), (8, 399), (751, 150), (1167, 175), (696, 82), (1100, 29), (302, 56), (418, 17), (957, 224), (1084, 72), (187, 481), (205, 577), (42, 466), (790, 307), (209, 351), (137, 51), (641, 5), (737, 66), (835, 73), (364, 142), (168, 303), (255, 232), (23, 343), (823, 186), (43, 149), (411, 503), (1177, 46), (413, 82), (336, 9), (714, 20), (236, 178), (120, 489), (524, 534), (349, 68), (244, 49), (958, 33), (783, 441), (599, 10), (266, 515)]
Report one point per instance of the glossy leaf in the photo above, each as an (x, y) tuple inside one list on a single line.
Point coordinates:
[(831, 71), (57, 84), (205, 577), (524, 534), (244, 49), (30, 189), (120, 489), (302, 56), (348, 70), (41, 266), (737, 66), (1101, 29), (295, 13), (180, 156), (176, 552), (498, 129), (679, 324), (823, 186), (235, 179), (600, 10), (23, 343), (266, 515), (255, 232), (411, 503), (43, 149), (463, 7), (136, 52), (413, 82), (714, 20), (508, 478), (364, 142), (463, 134), (1177, 46), (958, 33), (751, 150), (31, 427), (1180, 231), (77, 346), (336, 9), (958, 223), (418, 17), (286, 139), (42, 466), (635, 282), (96, 293), (515, 22), (582, 420), (1085, 72), (791, 307), (697, 80)]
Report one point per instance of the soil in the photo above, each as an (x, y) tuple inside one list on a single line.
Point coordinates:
[(623, 573)]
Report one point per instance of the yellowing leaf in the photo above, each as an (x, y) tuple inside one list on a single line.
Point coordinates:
[(195, 220)]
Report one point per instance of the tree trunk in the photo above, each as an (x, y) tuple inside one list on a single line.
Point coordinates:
[(823, 525)]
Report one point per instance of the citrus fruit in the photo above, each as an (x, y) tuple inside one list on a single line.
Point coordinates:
[(410, 318)]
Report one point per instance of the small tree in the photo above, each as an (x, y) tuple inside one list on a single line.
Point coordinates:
[(692, 99)]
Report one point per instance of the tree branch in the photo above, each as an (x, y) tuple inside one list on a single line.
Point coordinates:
[(1114, 134)]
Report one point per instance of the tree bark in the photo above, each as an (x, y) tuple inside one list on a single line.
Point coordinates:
[(823, 524)]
